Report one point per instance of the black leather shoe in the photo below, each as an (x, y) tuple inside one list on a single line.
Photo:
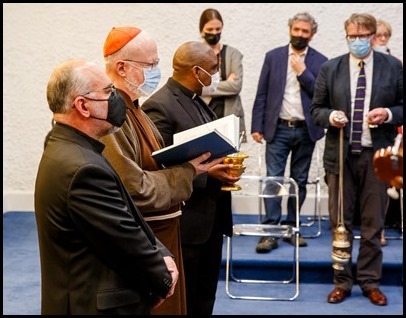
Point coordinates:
[(376, 297), (337, 295), (266, 244)]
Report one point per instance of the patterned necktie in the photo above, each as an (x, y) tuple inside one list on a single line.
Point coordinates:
[(357, 118)]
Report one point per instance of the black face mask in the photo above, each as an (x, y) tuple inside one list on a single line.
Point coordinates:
[(298, 42), (212, 39), (116, 112)]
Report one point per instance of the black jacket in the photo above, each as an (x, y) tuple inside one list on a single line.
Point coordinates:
[(97, 254)]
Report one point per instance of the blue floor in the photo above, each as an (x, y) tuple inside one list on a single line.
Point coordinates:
[(315, 258), (311, 301), (21, 276), (315, 277)]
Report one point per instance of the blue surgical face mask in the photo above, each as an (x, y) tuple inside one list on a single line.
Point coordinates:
[(359, 48), (152, 76), (151, 80)]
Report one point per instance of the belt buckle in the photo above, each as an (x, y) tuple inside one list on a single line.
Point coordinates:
[(291, 124)]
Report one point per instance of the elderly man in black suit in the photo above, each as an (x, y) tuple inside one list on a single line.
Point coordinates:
[(98, 255)]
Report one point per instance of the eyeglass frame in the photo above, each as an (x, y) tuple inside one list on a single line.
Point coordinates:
[(352, 38), (112, 92), (150, 66), (386, 35)]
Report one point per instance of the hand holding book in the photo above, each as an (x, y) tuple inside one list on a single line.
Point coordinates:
[(201, 163), (219, 137)]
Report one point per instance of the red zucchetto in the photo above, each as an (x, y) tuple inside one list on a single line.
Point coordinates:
[(117, 38)]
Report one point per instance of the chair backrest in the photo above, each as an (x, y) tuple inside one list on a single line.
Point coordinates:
[(249, 200)]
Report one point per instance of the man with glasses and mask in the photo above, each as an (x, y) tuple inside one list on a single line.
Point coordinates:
[(131, 62), (358, 97), (98, 255), (281, 117), (206, 216)]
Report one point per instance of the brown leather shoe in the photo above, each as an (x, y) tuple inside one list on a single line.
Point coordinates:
[(337, 295), (266, 244), (292, 240), (376, 297)]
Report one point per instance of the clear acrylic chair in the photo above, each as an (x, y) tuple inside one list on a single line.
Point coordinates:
[(260, 187)]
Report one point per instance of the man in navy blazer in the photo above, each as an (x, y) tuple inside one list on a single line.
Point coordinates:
[(333, 108), (281, 116)]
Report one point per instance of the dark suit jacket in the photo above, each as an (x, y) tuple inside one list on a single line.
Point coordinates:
[(97, 254), (173, 111), (333, 92), (271, 88)]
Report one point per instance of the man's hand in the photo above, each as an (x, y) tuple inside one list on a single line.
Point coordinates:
[(173, 270), (257, 137), (220, 173), (297, 64), (338, 119), (201, 167), (377, 116)]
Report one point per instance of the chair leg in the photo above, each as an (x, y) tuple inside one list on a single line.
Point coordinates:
[(232, 279), (317, 212)]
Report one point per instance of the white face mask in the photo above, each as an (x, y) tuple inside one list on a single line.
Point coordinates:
[(215, 80), (381, 48)]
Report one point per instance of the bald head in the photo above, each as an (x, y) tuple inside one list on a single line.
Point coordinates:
[(192, 54), (189, 60)]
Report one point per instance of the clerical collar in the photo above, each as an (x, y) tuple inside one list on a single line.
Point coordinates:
[(185, 90)]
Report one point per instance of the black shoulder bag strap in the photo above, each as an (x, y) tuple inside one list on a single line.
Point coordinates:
[(223, 64)]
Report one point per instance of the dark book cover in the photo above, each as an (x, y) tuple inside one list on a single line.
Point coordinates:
[(214, 142)]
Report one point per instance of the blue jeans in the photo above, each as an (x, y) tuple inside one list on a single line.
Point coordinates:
[(297, 142)]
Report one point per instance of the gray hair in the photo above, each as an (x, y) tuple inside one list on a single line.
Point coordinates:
[(304, 16), (65, 84)]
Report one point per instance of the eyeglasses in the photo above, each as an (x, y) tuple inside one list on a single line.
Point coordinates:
[(385, 35), (352, 38), (110, 89), (149, 66)]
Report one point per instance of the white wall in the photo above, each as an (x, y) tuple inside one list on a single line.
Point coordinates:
[(38, 37)]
